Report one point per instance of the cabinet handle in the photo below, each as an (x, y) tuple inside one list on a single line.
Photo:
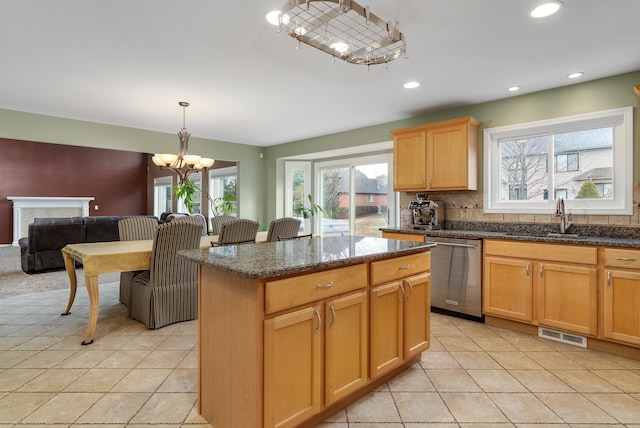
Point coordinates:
[(609, 278), (320, 286), (403, 293), (317, 330), (527, 269), (410, 288), (405, 267), (541, 267), (626, 259), (430, 183), (333, 311)]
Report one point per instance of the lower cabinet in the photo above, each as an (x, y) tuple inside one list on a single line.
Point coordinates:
[(621, 295), (295, 361), (399, 322), (542, 284)]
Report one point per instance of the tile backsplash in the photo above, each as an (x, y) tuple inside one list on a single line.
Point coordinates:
[(467, 206)]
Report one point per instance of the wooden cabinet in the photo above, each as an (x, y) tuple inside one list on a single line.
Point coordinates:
[(405, 236), (437, 156), (621, 295), (399, 309), (552, 285)]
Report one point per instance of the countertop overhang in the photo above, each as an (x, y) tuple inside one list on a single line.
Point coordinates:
[(275, 259)]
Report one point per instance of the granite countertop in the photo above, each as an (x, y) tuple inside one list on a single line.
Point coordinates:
[(583, 236), (274, 259)]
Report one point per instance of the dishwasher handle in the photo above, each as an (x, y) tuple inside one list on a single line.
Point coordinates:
[(451, 244)]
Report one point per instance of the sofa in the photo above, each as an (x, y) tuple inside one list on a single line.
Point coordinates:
[(40, 250)]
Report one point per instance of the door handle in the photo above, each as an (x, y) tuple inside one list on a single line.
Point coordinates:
[(317, 330), (403, 293), (333, 311)]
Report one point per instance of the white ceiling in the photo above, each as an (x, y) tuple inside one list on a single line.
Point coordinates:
[(128, 63)]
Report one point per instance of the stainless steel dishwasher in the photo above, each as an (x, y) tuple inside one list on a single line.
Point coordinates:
[(456, 277)]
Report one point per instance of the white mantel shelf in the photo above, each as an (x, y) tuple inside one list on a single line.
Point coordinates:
[(26, 208)]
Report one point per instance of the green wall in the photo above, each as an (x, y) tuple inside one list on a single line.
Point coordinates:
[(260, 180), (596, 95), (48, 129)]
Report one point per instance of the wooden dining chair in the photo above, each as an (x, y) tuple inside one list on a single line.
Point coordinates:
[(284, 227), (238, 231), (168, 292), (134, 229)]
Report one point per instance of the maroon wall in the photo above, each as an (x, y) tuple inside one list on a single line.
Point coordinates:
[(116, 179)]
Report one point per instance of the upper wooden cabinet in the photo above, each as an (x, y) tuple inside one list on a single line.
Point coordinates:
[(437, 156)]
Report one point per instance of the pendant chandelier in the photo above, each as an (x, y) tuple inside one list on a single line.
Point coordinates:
[(183, 163)]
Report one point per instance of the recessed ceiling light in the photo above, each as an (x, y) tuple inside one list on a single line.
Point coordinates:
[(514, 88), (411, 85), (575, 75), (546, 9), (273, 17), (339, 47)]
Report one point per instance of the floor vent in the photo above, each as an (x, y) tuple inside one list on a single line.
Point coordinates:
[(559, 336)]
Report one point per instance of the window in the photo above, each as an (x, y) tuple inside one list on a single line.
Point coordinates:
[(298, 186), (223, 183), (162, 195), (196, 178), (586, 159), (370, 198)]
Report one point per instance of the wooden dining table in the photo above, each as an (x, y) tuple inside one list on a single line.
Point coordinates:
[(105, 257)]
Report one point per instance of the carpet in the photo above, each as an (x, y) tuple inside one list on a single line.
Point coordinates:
[(14, 282)]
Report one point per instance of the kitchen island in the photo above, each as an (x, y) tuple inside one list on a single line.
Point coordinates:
[(290, 332)]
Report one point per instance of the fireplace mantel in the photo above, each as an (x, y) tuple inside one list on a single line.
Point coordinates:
[(26, 208)]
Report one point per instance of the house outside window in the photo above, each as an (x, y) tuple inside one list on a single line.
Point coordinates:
[(586, 159)]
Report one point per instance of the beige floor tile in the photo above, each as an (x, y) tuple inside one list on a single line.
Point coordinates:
[(530, 343), (15, 406), (627, 363), (11, 380), (9, 342), (179, 343), (141, 342), (97, 380), (162, 359), (496, 381), (435, 345), (374, 407), (438, 360), (625, 380), (346, 425), (10, 359), (593, 360), (494, 344), (622, 407), (84, 360), (446, 331), (340, 416), (472, 407), (553, 360), (45, 359), (523, 408), (117, 408), (190, 361), (163, 408), (411, 380), (459, 344), (181, 380), (575, 409), (475, 360), (123, 359), (540, 381), (53, 380), (584, 381), (142, 380), (421, 407), (452, 381), (475, 330), (514, 360), (63, 408)]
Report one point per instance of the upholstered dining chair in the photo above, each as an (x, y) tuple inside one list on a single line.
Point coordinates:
[(168, 292), (238, 231), (134, 229), (194, 219), (218, 220), (285, 227)]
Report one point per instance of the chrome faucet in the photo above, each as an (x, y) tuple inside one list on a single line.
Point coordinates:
[(565, 219)]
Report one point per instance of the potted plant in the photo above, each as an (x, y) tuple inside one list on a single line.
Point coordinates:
[(307, 212), (186, 191)]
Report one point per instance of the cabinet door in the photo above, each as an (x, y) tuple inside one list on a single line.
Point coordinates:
[(448, 158), (385, 327), (417, 304), (292, 367), (346, 345), (568, 297), (508, 288), (622, 306), (409, 158)]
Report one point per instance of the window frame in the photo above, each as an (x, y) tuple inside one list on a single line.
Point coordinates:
[(621, 119)]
